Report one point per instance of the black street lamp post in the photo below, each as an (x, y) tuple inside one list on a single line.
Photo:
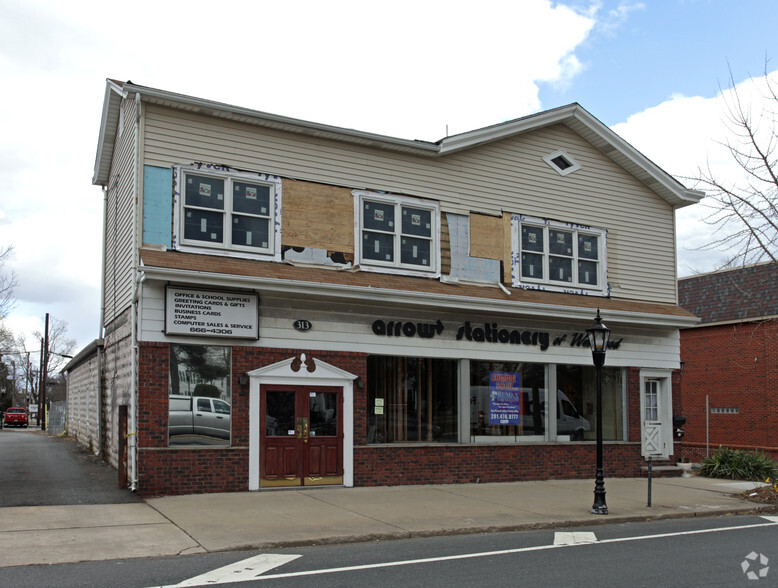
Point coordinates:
[(598, 342)]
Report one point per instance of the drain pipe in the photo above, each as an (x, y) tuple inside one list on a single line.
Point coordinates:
[(101, 325), (132, 433)]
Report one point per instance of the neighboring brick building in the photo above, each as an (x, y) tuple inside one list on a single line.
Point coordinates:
[(729, 382), (288, 303)]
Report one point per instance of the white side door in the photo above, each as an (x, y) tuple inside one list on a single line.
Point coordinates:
[(655, 410)]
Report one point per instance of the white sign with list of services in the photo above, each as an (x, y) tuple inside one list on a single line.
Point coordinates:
[(211, 313)]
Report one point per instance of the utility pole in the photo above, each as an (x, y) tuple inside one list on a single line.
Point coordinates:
[(45, 354), (40, 374)]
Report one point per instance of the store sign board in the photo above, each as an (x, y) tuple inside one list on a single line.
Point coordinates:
[(484, 333), (211, 313)]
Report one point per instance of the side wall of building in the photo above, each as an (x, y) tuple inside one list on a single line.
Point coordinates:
[(83, 422), (116, 382), (734, 367), (117, 240)]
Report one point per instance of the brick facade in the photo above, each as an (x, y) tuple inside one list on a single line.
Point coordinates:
[(457, 464), (729, 360), (734, 367), (164, 470)]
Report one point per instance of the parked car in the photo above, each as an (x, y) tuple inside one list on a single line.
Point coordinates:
[(15, 417)]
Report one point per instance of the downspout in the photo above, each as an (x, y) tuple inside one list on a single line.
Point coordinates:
[(100, 327), (133, 424)]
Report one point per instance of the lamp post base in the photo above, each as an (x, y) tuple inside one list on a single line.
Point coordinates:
[(601, 509)]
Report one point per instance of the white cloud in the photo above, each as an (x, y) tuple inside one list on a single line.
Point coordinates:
[(685, 135), (406, 69)]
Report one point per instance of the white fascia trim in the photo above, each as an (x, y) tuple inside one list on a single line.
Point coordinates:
[(114, 94), (218, 109), (688, 196), (416, 299), (502, 130)]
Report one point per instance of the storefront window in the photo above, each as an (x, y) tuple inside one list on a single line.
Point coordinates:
[(578, 399), (507, 399), (199, 411), (411, 399)]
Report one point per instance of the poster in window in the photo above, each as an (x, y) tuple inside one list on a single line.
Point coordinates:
[(504, 398)]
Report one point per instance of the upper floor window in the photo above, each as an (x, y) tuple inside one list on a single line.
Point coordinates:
[(558, 256), (222, 209), (397, 233)]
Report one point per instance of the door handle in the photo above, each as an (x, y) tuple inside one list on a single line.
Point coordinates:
[(305, 430), (299, 427)]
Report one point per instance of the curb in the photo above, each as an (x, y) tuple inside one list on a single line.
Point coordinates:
[(403, 535)]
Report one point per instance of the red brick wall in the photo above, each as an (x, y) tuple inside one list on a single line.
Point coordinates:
[(735, 366), (167, 471), (456, 464)]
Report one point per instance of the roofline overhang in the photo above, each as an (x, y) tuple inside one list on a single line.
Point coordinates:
[(108, 130), (573, 115), (387, 296)]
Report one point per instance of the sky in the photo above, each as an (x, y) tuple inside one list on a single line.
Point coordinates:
[(656, 72)]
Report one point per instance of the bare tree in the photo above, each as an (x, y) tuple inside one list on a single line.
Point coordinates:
[(59, 345), (7, 283), (744, 212)]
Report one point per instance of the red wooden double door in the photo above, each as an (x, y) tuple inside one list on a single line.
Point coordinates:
[(301, 440)]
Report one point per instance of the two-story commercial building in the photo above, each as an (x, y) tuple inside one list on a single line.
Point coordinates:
[(288, 303)]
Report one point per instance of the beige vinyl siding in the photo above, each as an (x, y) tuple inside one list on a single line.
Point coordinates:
[(118, 229), (504, 176)]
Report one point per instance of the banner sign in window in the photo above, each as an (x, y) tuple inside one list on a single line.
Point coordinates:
[(504, 398), (211, 313)]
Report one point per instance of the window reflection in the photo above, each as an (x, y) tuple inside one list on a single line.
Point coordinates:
[(578, 386), (199, 411)]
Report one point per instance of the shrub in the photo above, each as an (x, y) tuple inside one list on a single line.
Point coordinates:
[(737, 464)]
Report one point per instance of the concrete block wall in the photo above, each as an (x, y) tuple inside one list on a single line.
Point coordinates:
[(117, 380), (82, 416)]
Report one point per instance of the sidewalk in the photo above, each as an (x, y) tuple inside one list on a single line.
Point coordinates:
[(283, 518)]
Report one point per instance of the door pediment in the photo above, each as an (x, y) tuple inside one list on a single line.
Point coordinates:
[(302, 367)]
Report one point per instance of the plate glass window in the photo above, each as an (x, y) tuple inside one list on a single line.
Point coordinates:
[(199, 402)]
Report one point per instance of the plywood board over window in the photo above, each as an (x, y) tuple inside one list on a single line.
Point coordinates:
[(486, 236), (317, 216), (445, 246)]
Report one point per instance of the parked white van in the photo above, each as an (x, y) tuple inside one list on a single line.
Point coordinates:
[(569, 421)]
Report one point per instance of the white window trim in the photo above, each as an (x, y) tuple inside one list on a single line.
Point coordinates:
[(574, 165), (396, 267), (600, 289), (272, 253)]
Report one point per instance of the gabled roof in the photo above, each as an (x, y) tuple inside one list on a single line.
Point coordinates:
[(573, 116), (735, 295)]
